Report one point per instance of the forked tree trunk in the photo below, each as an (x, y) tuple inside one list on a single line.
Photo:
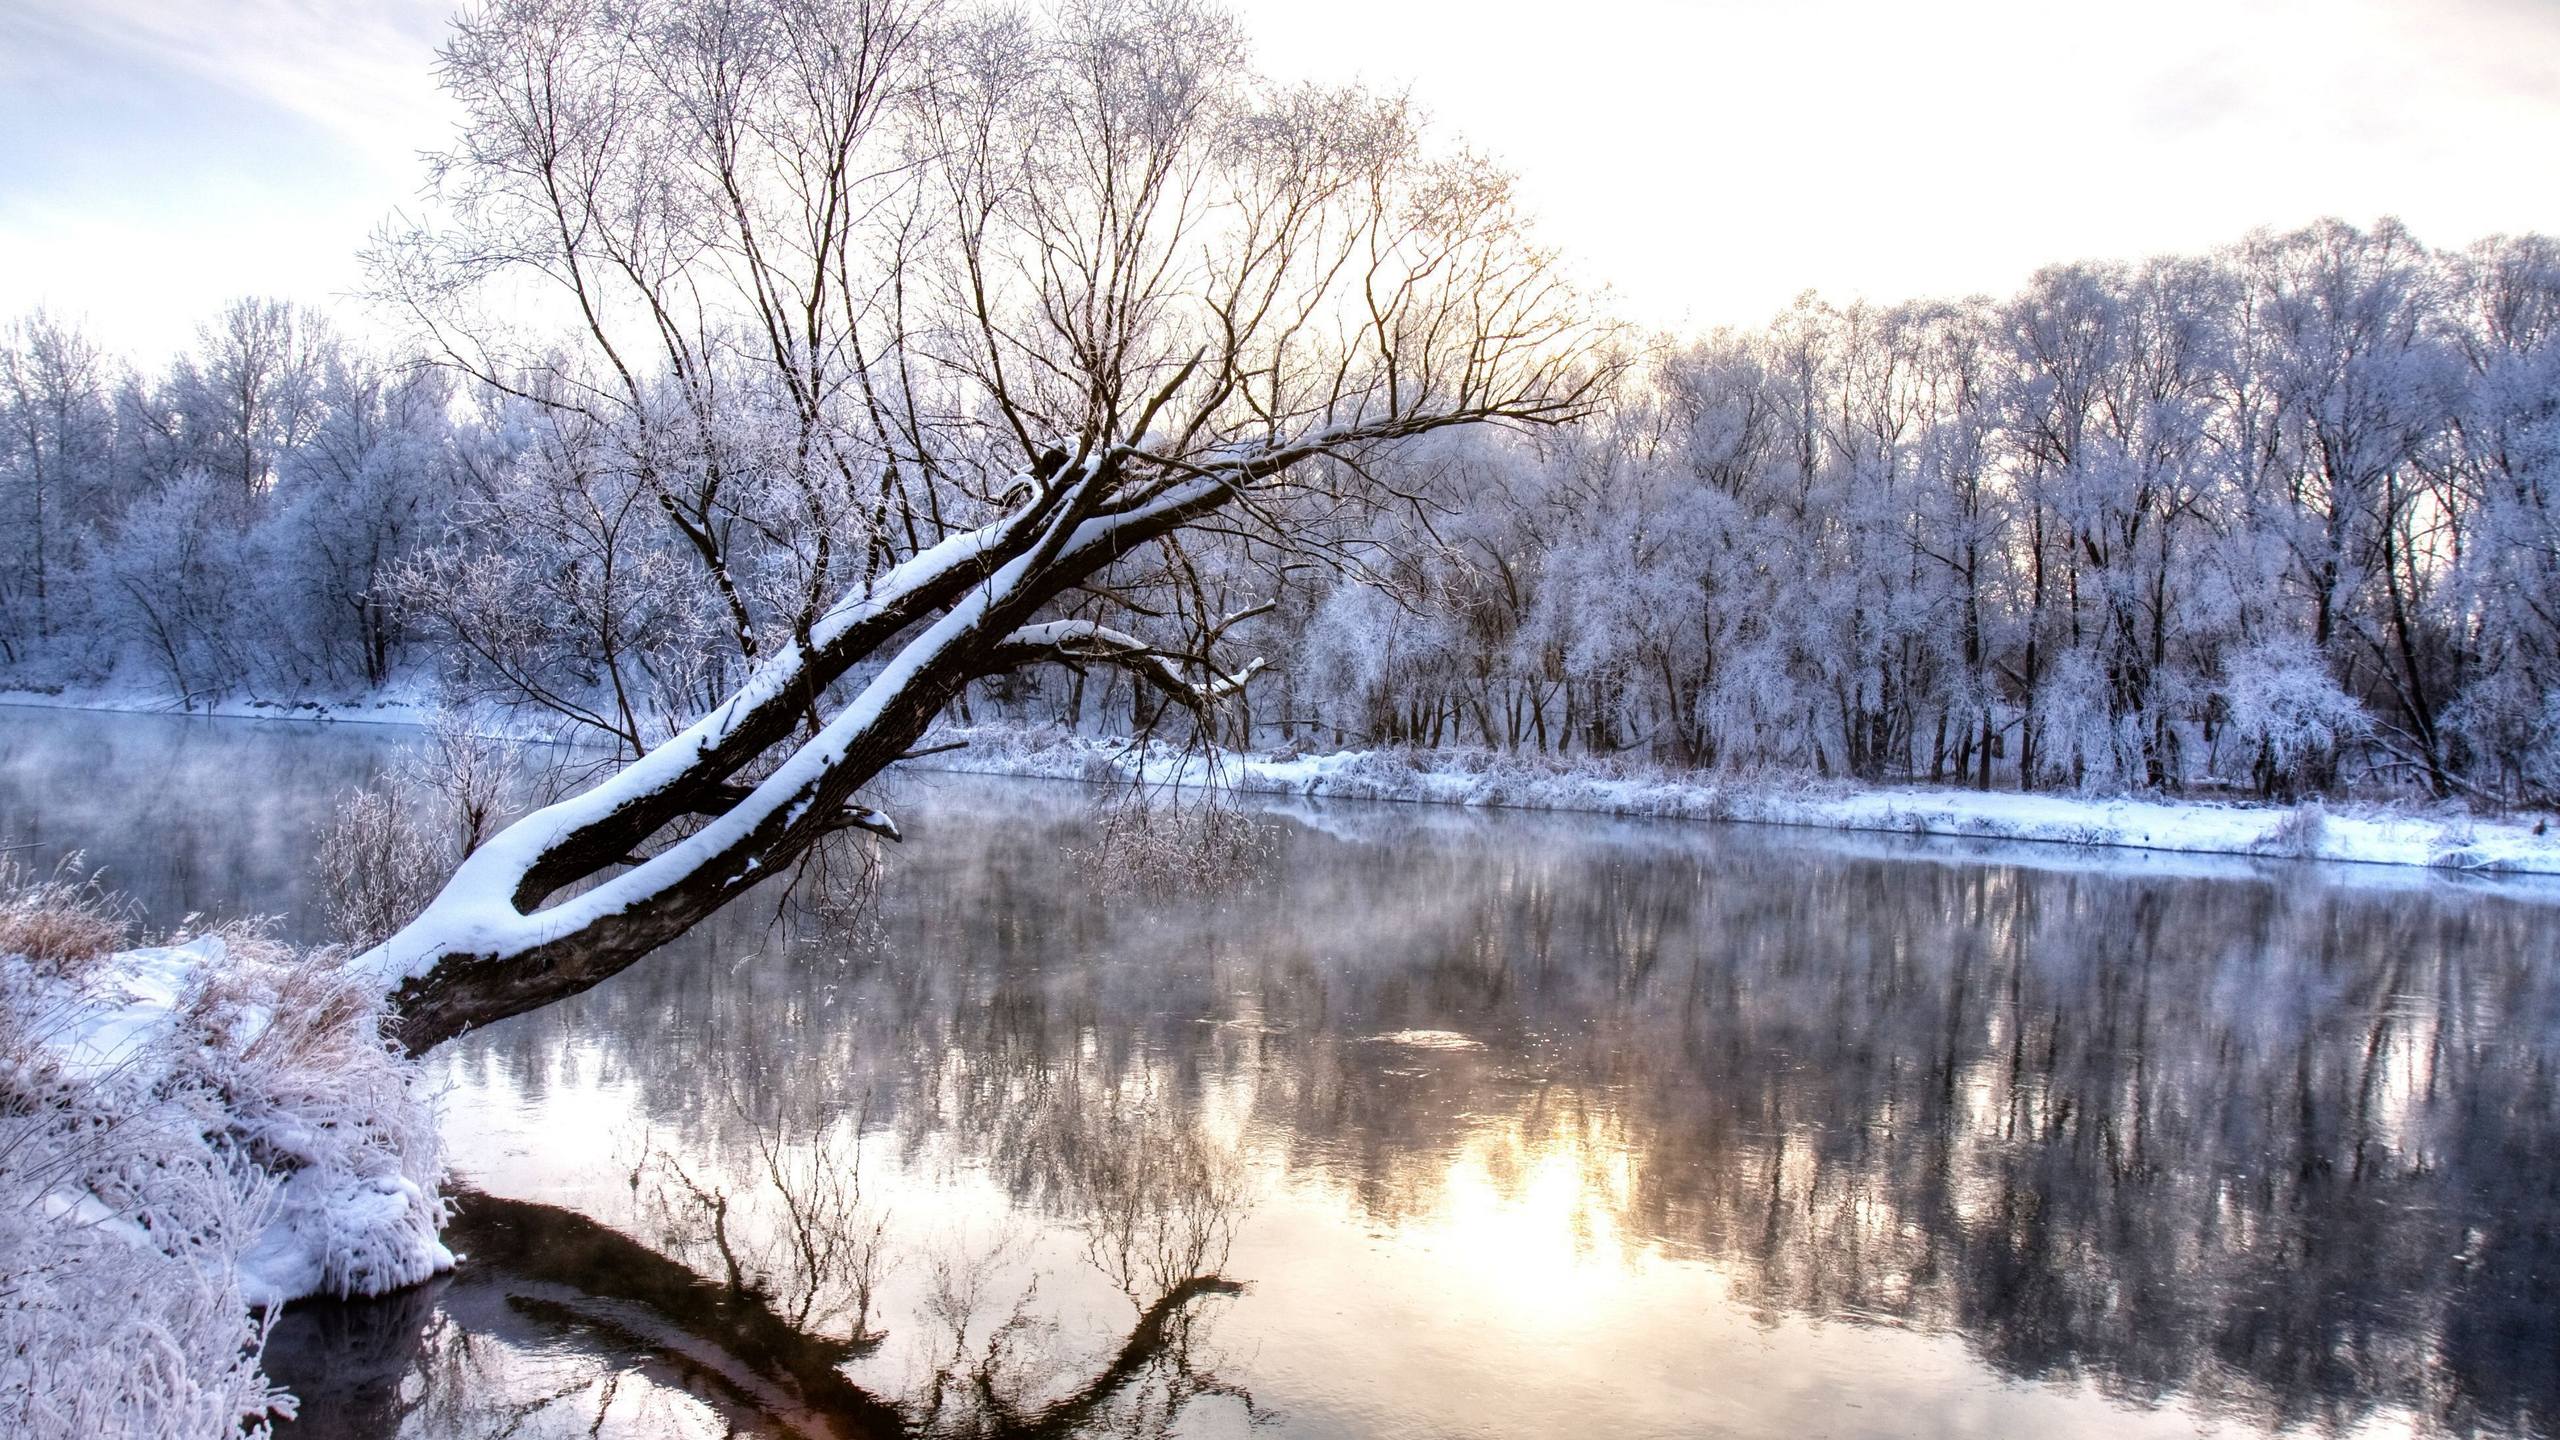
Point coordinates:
[(744, 791), (1338, 290)]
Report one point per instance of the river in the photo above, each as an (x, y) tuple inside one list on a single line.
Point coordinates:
[(1446, 1124)]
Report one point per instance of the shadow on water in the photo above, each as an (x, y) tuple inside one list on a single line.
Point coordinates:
[(1516, 1124), (550, 1278)]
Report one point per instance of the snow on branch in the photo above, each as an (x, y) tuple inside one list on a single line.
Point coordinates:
[(1074, 642), (721, 799)]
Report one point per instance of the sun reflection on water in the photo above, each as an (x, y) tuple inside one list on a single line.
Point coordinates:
[(1534, 1214)]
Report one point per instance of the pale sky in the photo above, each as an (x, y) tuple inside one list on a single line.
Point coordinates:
[(1706, 160)]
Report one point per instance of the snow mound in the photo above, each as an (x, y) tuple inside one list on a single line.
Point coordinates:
[(192, 1134)]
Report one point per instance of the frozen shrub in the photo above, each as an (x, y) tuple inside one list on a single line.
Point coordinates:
[(58, 919), (187, 1132), (391, 845), (321, 1101), (1753, 707), (2286, 718), (120, 1311), (1377, 775), (468, 777), (2540, 761), (382, 865), (2085, 745), (2297, 835)]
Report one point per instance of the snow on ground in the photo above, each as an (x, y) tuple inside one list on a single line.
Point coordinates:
[(313, 1098), (193, 1133), (2445, 839), (2363, 834), (412, 704)]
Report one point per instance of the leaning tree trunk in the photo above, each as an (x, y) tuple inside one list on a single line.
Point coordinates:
[(1335, 286), (744, 791)]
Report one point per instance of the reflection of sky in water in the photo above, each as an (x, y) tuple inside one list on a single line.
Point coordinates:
[(1511, 1125)]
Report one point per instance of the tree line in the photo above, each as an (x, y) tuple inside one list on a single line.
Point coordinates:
[(2277, 517), (2280, 517)]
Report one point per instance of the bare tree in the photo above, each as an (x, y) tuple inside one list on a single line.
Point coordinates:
[(252, 392), (1106, 286), (54, 433)]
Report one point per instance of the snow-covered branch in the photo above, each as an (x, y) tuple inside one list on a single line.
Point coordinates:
[(1075, 642)]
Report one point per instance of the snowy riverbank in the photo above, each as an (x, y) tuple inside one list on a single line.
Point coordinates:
[(2361, 834), (196, 1132), (397, 705)]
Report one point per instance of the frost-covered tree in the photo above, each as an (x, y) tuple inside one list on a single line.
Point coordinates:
[(1082, 285), (822, 290), (2045, 538), (251, 391), (2502, 473), (2109, 395), (56, 438), (352, 504), (2362, 382), (173, 585)]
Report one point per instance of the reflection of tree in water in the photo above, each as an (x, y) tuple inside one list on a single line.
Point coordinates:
[(761, 1337), (2281, 1150), (743, 1274), (784, 1220)]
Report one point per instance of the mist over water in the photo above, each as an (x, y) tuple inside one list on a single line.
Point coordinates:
[(1447, 1124)]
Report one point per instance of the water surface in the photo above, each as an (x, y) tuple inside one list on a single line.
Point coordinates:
[(1450, 1124)]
